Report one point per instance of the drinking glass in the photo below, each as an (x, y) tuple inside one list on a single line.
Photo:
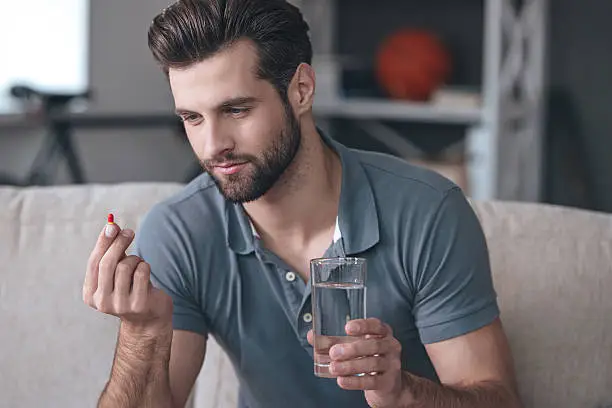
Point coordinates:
[(338, 296)]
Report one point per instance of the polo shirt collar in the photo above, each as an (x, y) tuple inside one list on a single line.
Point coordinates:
[(357, 222), (239, 235), (337, 232), (357, 212)]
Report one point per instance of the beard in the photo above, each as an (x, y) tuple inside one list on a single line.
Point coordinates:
[(260, 172)]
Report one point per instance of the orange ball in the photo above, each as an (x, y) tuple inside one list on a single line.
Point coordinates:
[(412, 64)]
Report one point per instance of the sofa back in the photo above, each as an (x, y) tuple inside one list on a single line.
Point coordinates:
[(54, 350), (552, 269)]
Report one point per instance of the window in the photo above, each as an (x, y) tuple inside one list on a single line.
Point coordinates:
[(43, 43)]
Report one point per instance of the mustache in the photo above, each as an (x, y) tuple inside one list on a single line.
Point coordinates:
[(226, 160)]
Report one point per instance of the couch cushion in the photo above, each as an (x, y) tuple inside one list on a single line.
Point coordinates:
[(56, 351), (552, 270)]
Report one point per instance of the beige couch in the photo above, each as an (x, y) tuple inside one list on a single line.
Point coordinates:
[(552, 269)]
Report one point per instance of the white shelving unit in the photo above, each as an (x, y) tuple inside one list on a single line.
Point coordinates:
[(366, 108), (504, 137)]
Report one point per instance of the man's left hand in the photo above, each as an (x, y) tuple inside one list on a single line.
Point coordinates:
[(371, 363)]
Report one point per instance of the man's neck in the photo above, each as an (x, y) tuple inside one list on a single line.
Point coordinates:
[(303, 204)]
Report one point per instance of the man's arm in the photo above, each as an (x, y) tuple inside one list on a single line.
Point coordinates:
[(456, 313), (475, 370), (153, 366), (186, 359), (140, 373), (153, 369)]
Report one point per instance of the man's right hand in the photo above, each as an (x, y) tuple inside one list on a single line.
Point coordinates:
[(120, 285)]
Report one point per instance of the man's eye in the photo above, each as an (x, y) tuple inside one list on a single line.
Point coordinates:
[(190, 118), (238, 111)]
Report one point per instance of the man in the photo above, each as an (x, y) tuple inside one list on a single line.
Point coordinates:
[(229, 255)]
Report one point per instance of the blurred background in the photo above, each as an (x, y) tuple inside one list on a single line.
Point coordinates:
[(507, 98)]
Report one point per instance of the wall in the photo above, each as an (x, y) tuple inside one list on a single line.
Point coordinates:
[(126, 79), (580, 69), (580, 62)]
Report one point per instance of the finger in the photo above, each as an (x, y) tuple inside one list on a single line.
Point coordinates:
[(363, 348), (109, 261), (105, 239), (123, 275), (365, 382), (320, 342), (142, 284), (389, 331), (310, 337), (359, 366), (371, 326)]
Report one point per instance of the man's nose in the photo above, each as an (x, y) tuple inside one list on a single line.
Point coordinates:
[(215, 140)]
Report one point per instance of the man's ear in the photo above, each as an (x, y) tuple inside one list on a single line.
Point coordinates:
[(302, 89)]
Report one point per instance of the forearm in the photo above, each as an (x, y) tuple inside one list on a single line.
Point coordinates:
[(423, 393), (139, 376)]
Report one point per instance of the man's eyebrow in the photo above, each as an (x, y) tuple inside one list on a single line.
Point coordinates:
[(181, 111), (240, 100)]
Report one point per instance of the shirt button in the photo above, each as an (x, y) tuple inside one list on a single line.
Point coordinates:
[(307, 317), (290, 276)]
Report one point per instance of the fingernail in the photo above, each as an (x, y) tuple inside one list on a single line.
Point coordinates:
[(352, 326), (128, 233), (110, 231)]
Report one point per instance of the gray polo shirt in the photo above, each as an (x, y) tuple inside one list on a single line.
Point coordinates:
[(428, 275)]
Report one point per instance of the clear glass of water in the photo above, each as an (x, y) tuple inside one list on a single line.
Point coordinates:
[(338, 296)]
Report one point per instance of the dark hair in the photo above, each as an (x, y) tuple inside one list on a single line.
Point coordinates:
[(189, 31)]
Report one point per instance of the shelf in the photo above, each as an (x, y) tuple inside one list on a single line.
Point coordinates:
[(92, 120), (370, 108)]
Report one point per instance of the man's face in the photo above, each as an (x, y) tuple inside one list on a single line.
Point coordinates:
[(239, 128)]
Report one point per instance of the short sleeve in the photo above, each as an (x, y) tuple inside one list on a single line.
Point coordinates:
[(454, 288), (162, 243)]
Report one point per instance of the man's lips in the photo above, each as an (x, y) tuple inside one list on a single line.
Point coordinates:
[(229, 168)]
